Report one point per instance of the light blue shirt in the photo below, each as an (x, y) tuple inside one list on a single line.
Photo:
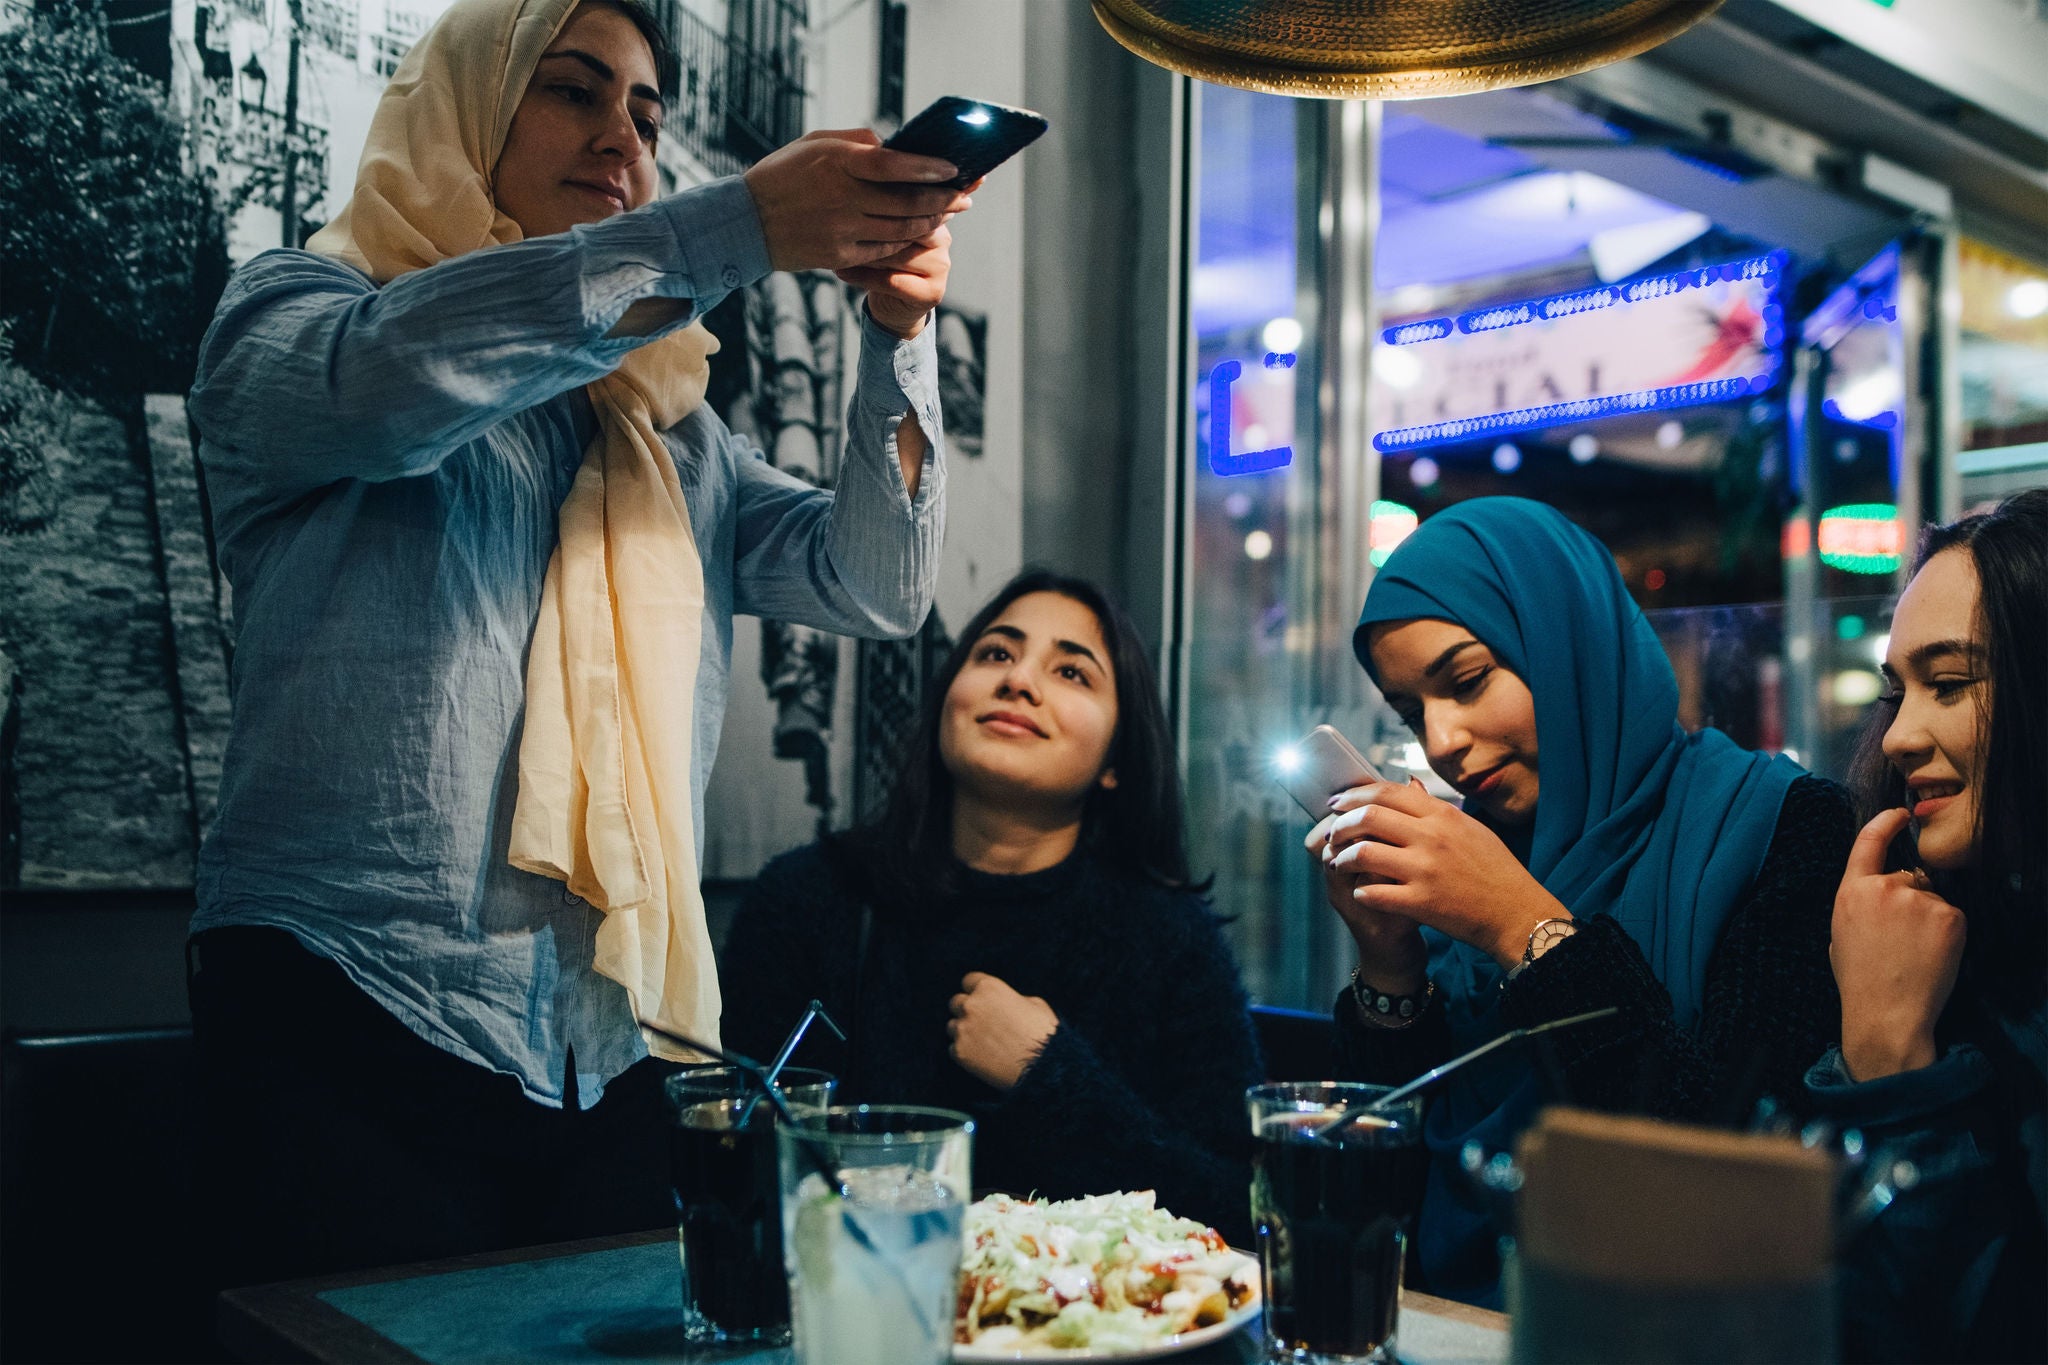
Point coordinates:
[(385, 468)]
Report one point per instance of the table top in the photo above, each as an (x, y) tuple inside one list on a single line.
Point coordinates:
[(619, 1298)]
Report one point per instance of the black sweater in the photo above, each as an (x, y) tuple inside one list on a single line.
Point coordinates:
[(1142, 1085), (1770, 1005)]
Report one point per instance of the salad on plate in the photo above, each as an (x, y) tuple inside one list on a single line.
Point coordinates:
[(1108, 1274)]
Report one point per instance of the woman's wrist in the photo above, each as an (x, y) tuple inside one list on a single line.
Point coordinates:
[(1398, 973), (1871, 1054), (1513, 945)]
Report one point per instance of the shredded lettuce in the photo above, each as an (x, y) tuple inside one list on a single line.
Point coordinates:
[(1111, 1271)]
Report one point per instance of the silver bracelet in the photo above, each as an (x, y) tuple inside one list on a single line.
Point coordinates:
[(1390, 1011)]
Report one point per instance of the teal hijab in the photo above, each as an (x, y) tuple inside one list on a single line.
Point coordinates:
[(1635, 818)]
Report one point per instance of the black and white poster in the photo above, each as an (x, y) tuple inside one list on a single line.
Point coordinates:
[(149, 146)]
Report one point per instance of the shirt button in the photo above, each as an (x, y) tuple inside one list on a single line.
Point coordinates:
[(731, 277)]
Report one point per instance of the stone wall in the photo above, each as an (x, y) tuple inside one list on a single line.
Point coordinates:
[(115, 690)]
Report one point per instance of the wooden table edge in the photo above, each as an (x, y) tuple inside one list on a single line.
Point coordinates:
[(1470, 1314)]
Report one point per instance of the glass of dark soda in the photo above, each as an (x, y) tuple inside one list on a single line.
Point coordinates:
[(1333, 1215), (728, 1200)]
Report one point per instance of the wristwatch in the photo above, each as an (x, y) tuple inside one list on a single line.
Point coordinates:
[(1546, 935)]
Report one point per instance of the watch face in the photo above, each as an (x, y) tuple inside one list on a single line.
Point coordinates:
[(1549, 934)]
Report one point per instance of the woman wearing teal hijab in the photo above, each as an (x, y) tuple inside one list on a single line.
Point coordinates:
[(1685, 880)]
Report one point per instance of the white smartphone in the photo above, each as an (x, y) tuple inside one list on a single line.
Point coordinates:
[(1321, 764)]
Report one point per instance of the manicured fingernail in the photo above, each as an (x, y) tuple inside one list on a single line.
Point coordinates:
[(948, 173), (1334, 800)]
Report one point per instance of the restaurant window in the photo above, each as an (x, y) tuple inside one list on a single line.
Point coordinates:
[(2002, 359), (1253, 548), (1721, 406)]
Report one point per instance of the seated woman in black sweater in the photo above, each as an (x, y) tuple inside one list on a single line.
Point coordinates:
[(1018, 936), (1673, 875), (1944, 1056)]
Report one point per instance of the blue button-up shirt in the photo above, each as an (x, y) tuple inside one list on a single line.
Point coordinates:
[(385, 468)]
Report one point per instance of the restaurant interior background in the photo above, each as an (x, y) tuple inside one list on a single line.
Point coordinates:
[(1754, 449), (1828, 220), (1750, 307)]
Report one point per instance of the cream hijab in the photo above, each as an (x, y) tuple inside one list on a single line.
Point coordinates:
[(604, 763)]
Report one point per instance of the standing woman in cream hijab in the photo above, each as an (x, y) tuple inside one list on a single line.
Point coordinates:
[(485, 546)]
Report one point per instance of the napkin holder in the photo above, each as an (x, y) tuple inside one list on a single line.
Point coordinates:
[(1644, 1241)]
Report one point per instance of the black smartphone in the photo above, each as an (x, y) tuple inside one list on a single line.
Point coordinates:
[(975, 135)]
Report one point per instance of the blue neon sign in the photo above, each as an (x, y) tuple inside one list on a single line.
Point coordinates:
[(1221, 461), (1726, 347)]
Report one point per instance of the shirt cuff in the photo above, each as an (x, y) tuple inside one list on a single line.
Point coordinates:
[(889, 366), (1904, 1098), (898, 376), (719, 239)]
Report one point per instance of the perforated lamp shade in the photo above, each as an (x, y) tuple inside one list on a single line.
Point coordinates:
[(1391, 49)]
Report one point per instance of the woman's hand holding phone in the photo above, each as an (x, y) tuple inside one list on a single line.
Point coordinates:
[(839, 200), (1391, 954), (1419, 861)]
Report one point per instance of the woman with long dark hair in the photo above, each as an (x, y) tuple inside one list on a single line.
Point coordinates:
[(1019, 935), (1940, 947)]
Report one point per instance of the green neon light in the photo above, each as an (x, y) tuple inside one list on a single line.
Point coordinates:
[(1391, 524), (1861, 537)]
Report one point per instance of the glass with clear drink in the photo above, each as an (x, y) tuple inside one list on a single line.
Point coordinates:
[(874, 1200), (1333, 1216)]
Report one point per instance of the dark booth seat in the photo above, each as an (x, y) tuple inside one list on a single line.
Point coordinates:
[(1297, 1045), (97, 1224)]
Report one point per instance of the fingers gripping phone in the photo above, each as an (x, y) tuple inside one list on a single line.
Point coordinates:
[(1320, 765), (975, 135)]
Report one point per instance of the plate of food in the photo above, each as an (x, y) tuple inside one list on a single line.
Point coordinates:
[(1109, 1277)]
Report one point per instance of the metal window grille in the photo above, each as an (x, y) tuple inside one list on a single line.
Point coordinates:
[(332, 26), (893, 676), (740, 91), (890, 61), (387, 50)]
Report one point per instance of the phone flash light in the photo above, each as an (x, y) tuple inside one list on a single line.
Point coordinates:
[(1288, 759), (977, 117)]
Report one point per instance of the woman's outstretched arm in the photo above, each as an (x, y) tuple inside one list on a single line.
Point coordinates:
[(311, 373)]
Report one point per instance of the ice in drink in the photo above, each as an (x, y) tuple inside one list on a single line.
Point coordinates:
[(875, 1275)]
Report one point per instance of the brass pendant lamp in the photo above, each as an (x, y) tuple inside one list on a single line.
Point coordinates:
[(1391, 49)]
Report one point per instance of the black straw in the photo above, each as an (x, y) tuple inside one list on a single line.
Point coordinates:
[(1430, 1078)]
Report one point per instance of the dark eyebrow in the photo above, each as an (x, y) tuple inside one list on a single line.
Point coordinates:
[(1921, 655), (1064, 646), (604, 71), (1076, 647), (1443, 660)]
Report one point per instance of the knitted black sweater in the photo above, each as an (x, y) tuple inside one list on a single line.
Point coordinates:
[(1141, 1087), (1770, 1005)]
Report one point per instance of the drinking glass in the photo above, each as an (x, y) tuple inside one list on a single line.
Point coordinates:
[(728, 1199), (1333, 1215), (873, 1202)]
